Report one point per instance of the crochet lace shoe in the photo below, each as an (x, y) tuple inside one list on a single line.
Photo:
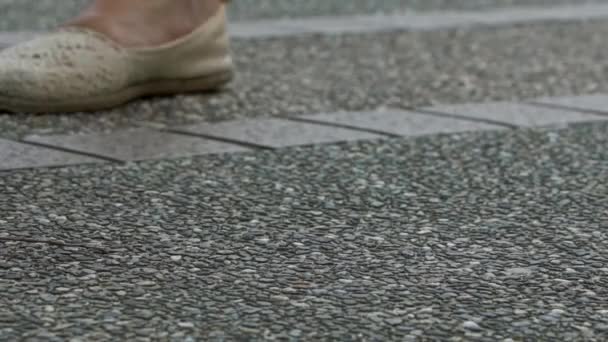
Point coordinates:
[(76, 69)]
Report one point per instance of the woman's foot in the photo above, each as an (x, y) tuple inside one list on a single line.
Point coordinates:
[(117, 51), (145, 23)]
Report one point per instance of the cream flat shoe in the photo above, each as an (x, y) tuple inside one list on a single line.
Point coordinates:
[(76, 69)]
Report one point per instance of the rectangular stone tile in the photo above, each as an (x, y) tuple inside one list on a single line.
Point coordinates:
[(14, 155), (516, 114), (275, 133), (596, 103), (138, 144), (405, 123)]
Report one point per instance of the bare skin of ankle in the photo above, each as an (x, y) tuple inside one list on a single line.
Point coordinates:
[(145, 23)]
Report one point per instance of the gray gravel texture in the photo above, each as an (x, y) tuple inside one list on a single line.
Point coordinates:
[(316, 73), (44, 14), (481, 236)]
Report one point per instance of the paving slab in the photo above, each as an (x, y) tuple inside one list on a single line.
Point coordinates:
[(399, 122), (14, 155), (597, 103), (276, 133), (137, 144), (517, 114)]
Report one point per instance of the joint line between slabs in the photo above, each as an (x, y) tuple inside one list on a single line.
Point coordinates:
[(566, 107), (463, 117), (72, 151), (217, 138), (346, 126)]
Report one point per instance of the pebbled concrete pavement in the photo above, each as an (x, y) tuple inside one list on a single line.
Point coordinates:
[(487, 236), (482, 236)]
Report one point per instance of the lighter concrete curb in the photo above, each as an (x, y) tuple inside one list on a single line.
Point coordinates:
[(412, 21), (416, 21)]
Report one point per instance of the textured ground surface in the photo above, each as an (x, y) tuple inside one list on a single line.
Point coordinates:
[(490, 235), (484, 236)]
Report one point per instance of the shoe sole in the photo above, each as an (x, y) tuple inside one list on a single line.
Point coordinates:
[(158, 88)]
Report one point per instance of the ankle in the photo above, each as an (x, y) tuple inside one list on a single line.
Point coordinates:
[(136, 23)]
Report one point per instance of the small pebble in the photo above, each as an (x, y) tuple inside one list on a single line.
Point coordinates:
[(470, 325), (394, 321), (185, 324)]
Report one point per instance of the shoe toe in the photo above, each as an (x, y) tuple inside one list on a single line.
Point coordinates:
[(60, 67)]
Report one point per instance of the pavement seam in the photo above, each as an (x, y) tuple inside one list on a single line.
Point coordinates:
[(217, 138), (573, 108), (72, 151), (339, 125), (463, 117)]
